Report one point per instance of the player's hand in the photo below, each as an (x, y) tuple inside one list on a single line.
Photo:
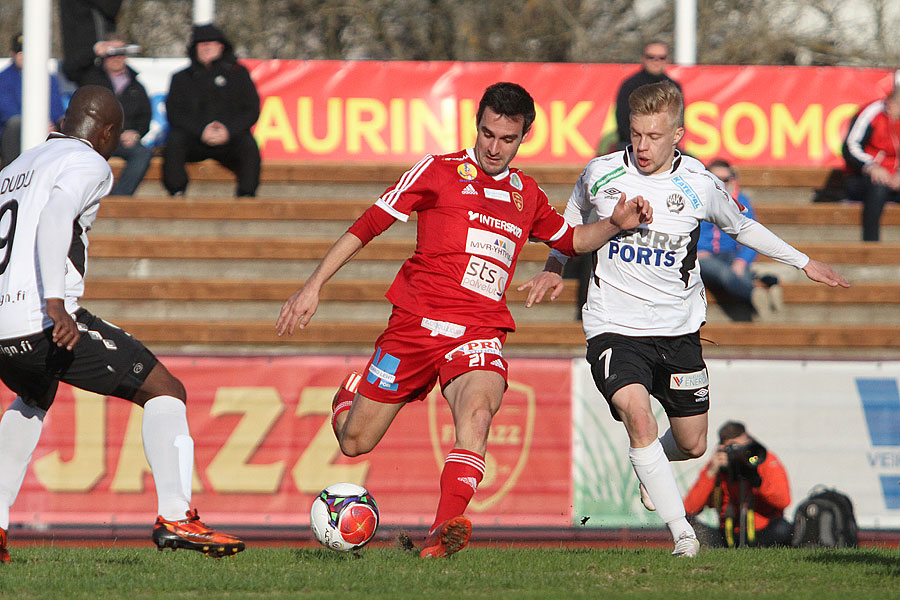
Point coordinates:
[(538, 286), (628, 214), (297, 311), (129, 138), (718, 462), (65, 331), (880, 175), (822, 273)]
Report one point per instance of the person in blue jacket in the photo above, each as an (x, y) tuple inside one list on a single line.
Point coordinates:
[(725, 264), (11, 105)]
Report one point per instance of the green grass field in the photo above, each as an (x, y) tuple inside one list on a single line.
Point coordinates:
[(513, 572)]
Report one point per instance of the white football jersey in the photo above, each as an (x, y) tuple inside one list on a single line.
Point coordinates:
[(647, 280), (76, 176)]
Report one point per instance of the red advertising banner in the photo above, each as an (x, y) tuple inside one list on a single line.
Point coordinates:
[(368, 111), (264, 448)]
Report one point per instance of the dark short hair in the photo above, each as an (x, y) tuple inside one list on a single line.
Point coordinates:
[(17, 43), (509, 100), (731, 430)]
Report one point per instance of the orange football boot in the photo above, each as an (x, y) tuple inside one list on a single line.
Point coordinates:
[(4, 552), (192, 534), (451, 537)]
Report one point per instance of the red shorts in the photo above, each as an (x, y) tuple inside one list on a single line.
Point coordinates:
[(413, 352)]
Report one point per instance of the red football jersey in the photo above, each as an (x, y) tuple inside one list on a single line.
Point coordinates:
[(471, 227)]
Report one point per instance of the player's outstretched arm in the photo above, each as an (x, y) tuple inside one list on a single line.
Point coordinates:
[(299, 309), (627, 214), (822, 273)]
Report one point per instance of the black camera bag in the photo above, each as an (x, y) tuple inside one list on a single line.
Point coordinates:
[(825, 519)]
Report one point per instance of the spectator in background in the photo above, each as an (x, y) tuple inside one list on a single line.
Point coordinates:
[(742, 471), (83, 24), (871, 153), (211, 107), (109, 70), (11, 105), (725, 264), (654, 61)]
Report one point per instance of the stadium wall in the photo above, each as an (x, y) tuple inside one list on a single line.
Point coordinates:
[(264, 445)]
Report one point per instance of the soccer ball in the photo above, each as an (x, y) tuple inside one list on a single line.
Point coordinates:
[(344, 517)]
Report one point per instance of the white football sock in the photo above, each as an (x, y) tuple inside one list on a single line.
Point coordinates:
[(653, 470), (170, 451), (670, 447), (20, 430)]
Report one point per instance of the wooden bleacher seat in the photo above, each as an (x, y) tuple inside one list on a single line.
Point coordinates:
[(538, 335), (280, 248), (331, 209), (297, 171), (373, 290)]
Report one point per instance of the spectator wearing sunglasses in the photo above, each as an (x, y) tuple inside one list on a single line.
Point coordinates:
[(654, 61)]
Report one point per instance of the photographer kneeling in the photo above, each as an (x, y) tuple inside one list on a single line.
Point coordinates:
[(748, 487)]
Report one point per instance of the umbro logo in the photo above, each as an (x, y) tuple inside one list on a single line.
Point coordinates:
[(469, 190)]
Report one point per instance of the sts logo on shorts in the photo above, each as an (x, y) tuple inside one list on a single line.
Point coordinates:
[(384, 369)]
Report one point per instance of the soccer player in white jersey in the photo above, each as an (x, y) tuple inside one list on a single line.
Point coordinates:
[(49, 197), (646, 301)]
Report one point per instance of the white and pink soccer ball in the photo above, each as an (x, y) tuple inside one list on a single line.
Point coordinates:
[(344, 517)]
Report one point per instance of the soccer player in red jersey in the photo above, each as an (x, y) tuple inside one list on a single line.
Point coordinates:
[(449, 318)]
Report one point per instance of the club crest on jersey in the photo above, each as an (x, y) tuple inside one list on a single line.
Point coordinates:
[(467, 171), (518, 201), (515, 181), (675, 202)]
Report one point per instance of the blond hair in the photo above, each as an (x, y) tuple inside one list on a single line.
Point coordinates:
[(655, 98)]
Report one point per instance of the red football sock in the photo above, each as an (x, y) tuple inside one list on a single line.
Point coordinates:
[(463, 471), (343, 399)]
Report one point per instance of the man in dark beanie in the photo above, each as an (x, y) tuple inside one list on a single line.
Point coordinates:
[(211, 107)]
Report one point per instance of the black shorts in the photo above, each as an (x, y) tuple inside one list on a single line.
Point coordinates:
[(106, 360), (671, 368)]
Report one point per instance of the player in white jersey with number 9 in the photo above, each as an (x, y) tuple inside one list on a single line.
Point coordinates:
[(646, 301), (49, 197)]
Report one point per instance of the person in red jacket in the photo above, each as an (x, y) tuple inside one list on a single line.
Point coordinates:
[(872, 153), (749, 488)]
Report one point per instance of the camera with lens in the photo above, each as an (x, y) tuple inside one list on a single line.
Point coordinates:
[(743, 460)]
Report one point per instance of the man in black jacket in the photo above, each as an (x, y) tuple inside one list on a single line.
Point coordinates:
[(654, 61), (211, 107), (110, 71)]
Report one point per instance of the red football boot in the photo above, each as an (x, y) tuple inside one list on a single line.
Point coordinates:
[(4, 552), (192, 534), (451, 537)]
